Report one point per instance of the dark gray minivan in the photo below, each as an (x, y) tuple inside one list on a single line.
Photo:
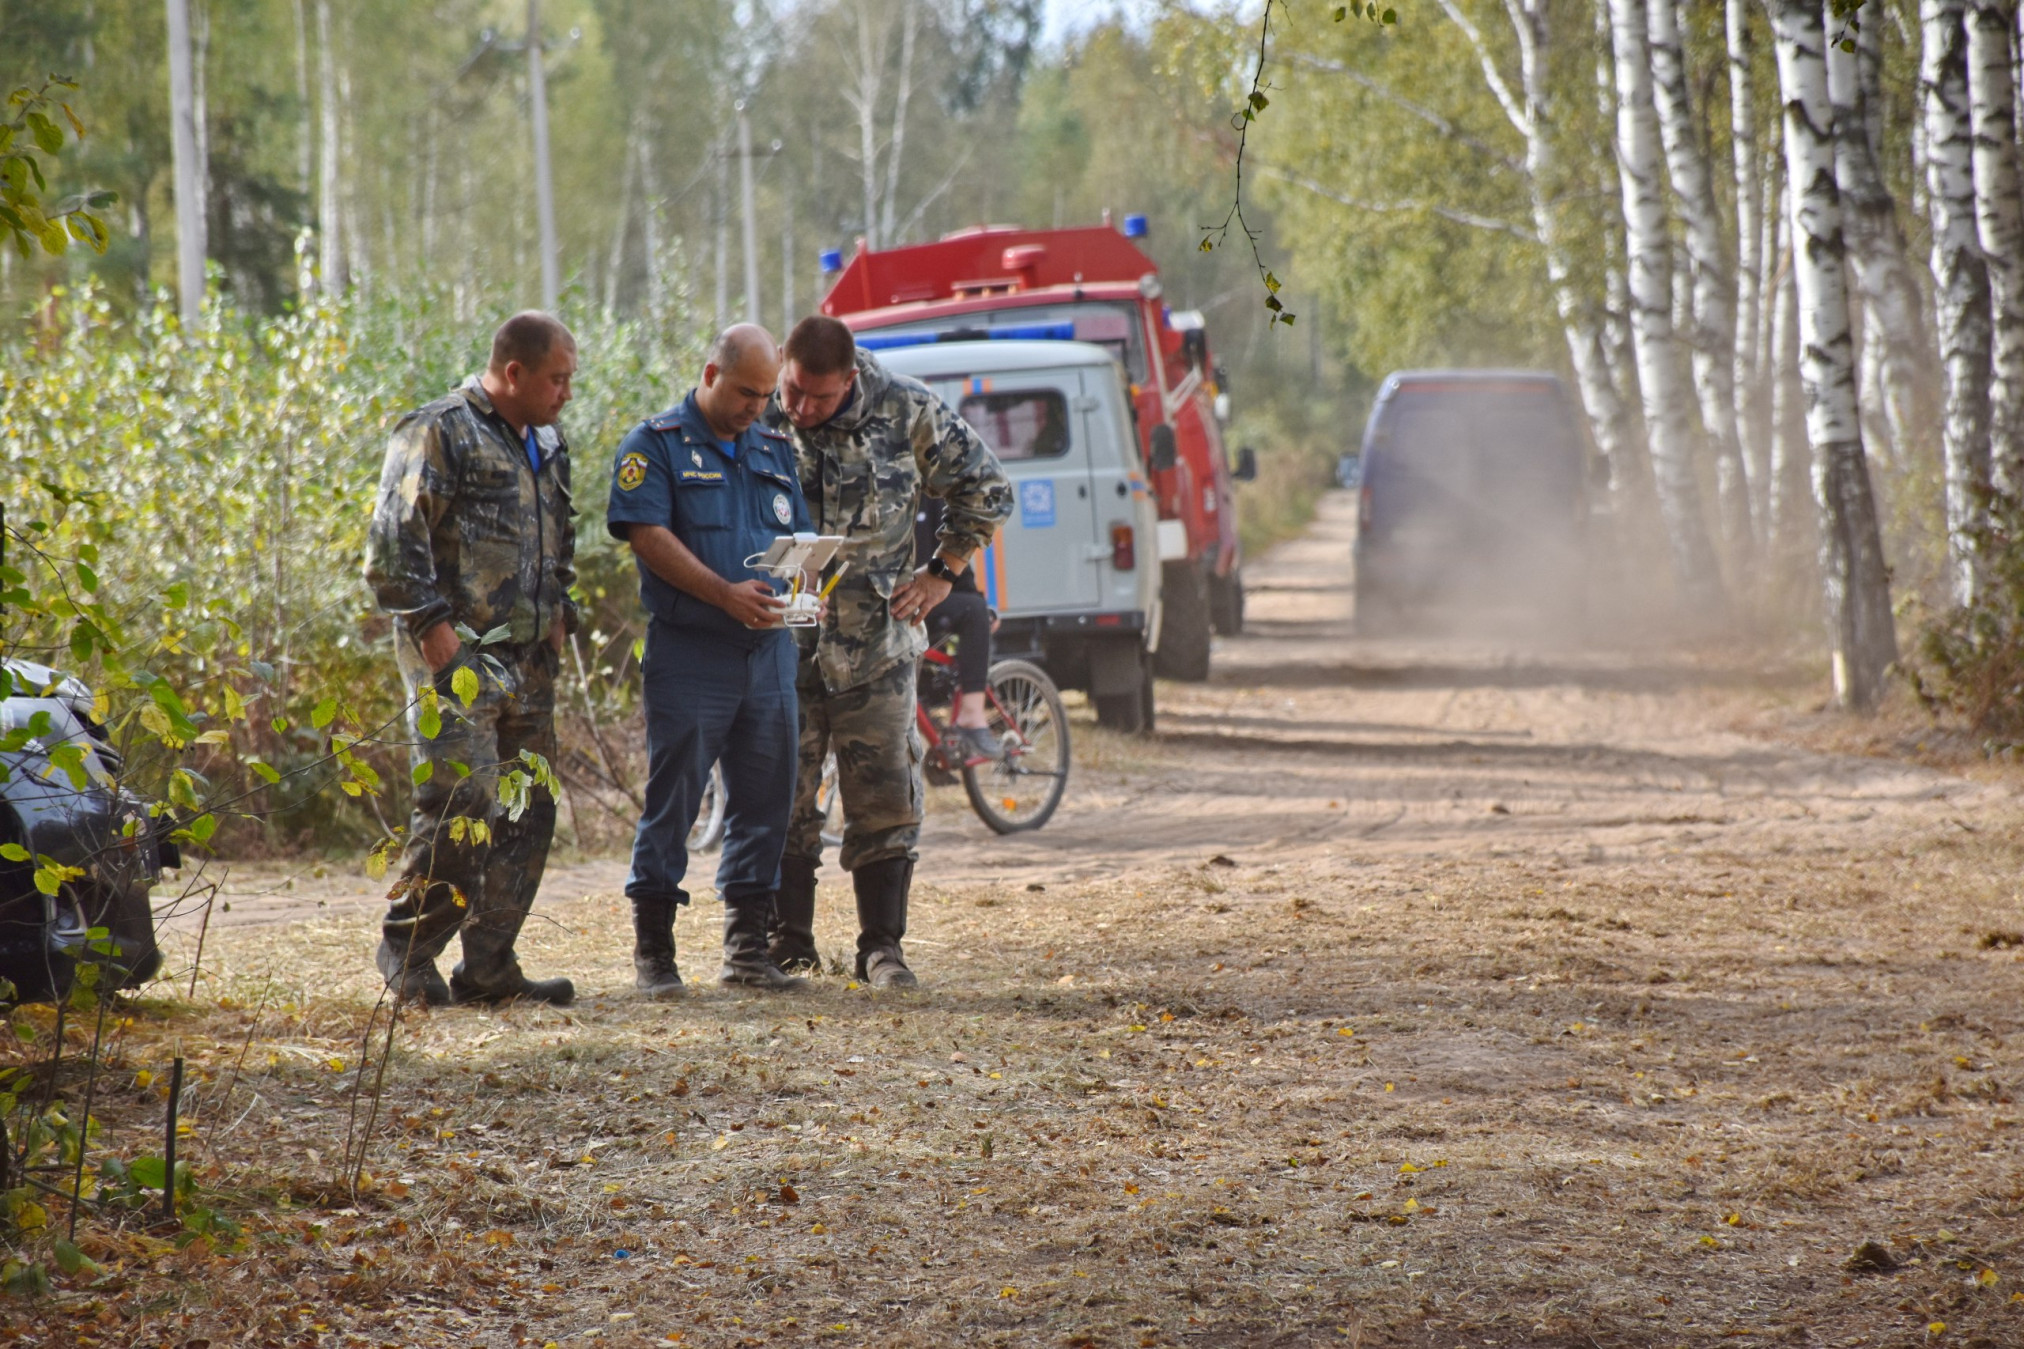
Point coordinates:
[(1473, 496)]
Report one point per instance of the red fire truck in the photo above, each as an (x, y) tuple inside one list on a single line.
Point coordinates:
[(1091, 284)]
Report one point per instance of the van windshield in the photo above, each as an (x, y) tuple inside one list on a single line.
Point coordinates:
[(1112, 326)]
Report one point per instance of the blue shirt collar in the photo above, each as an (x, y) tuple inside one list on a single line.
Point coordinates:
[(698, 425)]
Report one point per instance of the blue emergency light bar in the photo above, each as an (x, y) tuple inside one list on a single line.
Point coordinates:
[(1032, 332)]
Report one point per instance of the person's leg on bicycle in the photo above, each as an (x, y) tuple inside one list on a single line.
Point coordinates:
[(965, 614)]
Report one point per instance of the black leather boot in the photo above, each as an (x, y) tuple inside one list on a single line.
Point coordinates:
[(882, 920), (746, 959), (793, 935), (654, 972)]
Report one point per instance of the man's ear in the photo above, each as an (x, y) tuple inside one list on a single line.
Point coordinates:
[(710, 374), (514, 374)]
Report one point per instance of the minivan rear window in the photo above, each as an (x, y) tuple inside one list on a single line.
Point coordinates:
[(1026, 424)]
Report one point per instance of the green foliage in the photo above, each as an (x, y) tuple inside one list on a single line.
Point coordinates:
[(29, 219), (216, 486)]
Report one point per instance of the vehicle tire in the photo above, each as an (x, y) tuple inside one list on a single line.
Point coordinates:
[(1226, 603), (1020, 791), (708, 830), (1184, 630), (1129, 713), (39, 944)]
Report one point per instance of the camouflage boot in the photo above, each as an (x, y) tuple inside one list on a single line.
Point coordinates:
[(793, 936), (882, 888)]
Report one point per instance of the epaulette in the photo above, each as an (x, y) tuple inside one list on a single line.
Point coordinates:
[(668, 421), (769, 432)]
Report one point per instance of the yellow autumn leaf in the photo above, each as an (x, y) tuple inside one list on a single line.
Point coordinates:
[(723, 1141), (1008, 1291), (1387, 1086), (1346, 1030), (1131, 1189), (143, 1077), (1412, 1206), (1936, 1328), (1987, 1278), (1709, 1241), (1408, 1169)]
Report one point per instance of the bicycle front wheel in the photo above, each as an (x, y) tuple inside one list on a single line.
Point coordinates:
[(1020, 790)]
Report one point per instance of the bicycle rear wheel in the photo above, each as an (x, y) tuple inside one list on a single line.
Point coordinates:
[(1021, 790)]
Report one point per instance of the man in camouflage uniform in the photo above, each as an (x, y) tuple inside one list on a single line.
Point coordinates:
[(868, 443), (473, 531)]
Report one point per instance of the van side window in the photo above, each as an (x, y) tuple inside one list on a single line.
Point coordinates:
[(1030, 424)]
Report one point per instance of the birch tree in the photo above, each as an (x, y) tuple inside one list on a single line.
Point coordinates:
[(1856, 586), (1529, 112), (1960, 278), (1711, 292), (1894, 335), (1999, 227), (1668, 402), (1752, 424)]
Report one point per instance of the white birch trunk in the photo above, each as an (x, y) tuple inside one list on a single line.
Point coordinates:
[(1999, 227), (1960, 279), (1712, 284), (1668, 401), (329, 189), (1894, 329), (863, 94), (1529, 113), (1786, 501), (1752, 427), (896, 146), (1856, 586)]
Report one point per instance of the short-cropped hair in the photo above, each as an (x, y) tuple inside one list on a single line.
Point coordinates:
[(821, 345), (528, 337)]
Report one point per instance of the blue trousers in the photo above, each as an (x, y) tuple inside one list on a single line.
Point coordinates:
[(714, 699)]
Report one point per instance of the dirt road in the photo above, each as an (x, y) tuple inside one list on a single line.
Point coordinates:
[(1394, 993)]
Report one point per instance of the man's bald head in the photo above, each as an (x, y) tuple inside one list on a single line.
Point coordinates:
[(742, 341), (738, 378)]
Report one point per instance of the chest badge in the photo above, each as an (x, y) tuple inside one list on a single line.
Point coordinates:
[(783, 510), (632, 471), (696, 456)]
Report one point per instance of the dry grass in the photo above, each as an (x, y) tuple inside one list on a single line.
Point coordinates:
[(1338, 1101)]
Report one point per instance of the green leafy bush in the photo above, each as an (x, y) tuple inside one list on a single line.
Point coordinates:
[(199, 503), (1970, 660)]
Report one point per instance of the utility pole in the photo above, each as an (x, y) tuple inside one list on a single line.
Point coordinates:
[(544, 184), (751, 224), (190, 242)]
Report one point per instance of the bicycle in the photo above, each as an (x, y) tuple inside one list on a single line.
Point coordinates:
[(1013, 793)]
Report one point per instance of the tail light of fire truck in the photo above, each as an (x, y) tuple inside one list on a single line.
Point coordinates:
[(1123, 547), (1363, 511)]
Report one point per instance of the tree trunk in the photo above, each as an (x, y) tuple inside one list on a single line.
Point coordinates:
[(1999, 222), (1856, 586), (1960, 280), (1712, 282), (1785, 504), (329, 190), (863, 96), (1668, 402), (1893, 311), (896, 146), (1752, 427)]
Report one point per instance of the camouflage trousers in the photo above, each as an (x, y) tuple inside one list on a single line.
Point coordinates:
[(871, 730), (440, 865)]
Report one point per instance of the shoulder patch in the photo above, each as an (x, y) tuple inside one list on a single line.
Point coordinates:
[(632, 471)]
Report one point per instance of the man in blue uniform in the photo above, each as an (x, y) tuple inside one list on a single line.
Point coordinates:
[(697, 492)]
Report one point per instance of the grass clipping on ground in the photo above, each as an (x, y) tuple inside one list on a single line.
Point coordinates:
[(1224, 1102)]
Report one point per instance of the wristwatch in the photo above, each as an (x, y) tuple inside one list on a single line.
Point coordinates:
[(937, 567)]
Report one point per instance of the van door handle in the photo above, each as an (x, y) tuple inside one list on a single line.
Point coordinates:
[(1082, 492)]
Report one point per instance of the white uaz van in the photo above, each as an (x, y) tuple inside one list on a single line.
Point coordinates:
[(1075, 573)]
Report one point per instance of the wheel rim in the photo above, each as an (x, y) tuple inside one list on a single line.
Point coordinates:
[(1021, 790)]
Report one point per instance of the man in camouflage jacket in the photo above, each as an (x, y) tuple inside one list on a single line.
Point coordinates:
[(473, 531), (868, 443)]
